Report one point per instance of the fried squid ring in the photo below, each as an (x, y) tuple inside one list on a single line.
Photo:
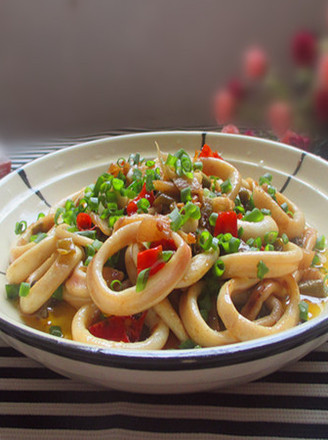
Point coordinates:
[(129, 301), (199, 265), (292, 226), (258, 296), (42, 290), (278, 263), (86, 315), (220, 168), (29, 261), (244, 329), (76, 290), (197, 328), (257, 229), (79, 240)]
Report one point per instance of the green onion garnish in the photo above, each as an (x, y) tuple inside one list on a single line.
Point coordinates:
[(12, 291), (226, 186), (254, 216), (55, 330), (198, 166), (266, 178), (87, 261), (24, 289), (40, 215), (38, 237), (316, 260), (115, 283), (88, 234), (218, 268), (118, 184), (150, 163), (205, 240), (213, 218), (58, 293), (121, 162), (304, 311), (185, 194), (262, 270), (189, 343), (269, 247), (20, 227), (142, 280), (176, 219), (270, 237), (321, 243), (166, 255), (143, 205), (285, 238)]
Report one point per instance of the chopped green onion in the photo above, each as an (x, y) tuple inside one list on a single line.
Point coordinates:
[(87, 261), (118, 184), (166, 255), (215, 243), (171, 161), (321, 243), (266, 178), (12, 291), (198, 166), (24, 289), (270, 237), (304, 311), (176, 219), (285, 238), (240, 231), (143, 205), (269, 247), (137, 174), (142, 280), (55, 330), (38, 237), (121, 162), (205, 240), (213, 218), (97, 244), (113, 219), (272, 192), (265, 211), (189, 343), (58, 293), (114, 283), (20, 227), (316, 260), (90, 250), (40, 215), (254, 216), (185, 194), (150, 163), (88, 234), (218, 268), (226, 186), (262, 270), (192, 211)]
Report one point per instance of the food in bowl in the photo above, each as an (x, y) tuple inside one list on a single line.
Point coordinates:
[(176, 252)]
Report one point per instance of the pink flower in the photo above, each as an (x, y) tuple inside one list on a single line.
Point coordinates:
[(224, 106), (280, 117), (321, 105), (255, 63), (230, 128), (304, 48), (322, 76), (296, 140)]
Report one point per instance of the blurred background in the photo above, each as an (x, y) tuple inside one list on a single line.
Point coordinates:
[(75, 67)]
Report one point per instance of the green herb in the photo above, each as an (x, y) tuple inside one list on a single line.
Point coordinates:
[(87, 260), (115, 283), (118, 184), (143, 205), (150, 163), (316, 260), (185, 194), (213, 218), (20, 227), (38, 237), (88, 234), (304, 311), (142, 280), (320, 243), (270, 237), (58, 293), (269, 247), (121, 162), (176, 219), (254, 216), (12, 291), (166, 255), (218, 268), (240, 231), (198, 166), (226, 186), (265, 211), (262, 270), (266, 178), (24, 289), (285, 238), (205, 240), (40, 215), (55, 330), (189, 343)]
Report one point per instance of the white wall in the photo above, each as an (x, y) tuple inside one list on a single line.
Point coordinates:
[(77, 66)]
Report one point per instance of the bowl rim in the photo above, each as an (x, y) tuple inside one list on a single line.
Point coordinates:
[(188, 359)]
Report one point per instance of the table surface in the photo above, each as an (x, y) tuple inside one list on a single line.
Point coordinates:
[(38, 403)]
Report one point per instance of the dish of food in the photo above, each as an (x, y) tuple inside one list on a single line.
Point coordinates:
[(178, 251), (203, 254)]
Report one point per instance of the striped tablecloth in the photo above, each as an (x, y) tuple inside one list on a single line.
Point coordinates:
[(36, 403)]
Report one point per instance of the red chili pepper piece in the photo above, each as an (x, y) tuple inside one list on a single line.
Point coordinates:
[(239, 216), (226, 223), (207, 152), (150, 258), (119, 328), (132, 207), (83, 221)]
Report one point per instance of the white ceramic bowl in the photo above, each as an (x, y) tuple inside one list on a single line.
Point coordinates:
[(24, 193)]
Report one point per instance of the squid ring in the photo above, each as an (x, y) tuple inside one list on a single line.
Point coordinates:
[(293, 227), (199, 265), (220, 168), (257, 229), (244, 329), (76, 290), (278, 263), (86, 314), (129, 301)]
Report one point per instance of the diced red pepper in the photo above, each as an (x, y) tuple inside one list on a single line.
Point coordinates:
[(119, 328), (207, 152), (239, 216), (226, 223), (132, 207), (83, 221), (150, 258)]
